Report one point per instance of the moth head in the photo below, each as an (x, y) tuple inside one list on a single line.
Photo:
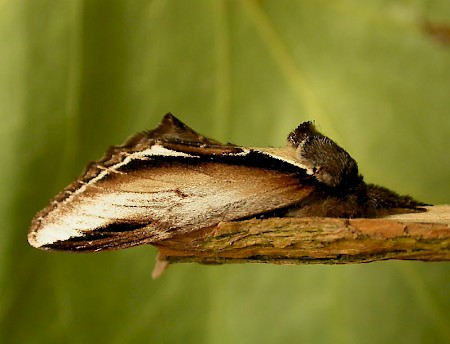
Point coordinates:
[(323, 158)]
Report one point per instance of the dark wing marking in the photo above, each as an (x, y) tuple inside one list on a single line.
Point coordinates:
[(171, 129)]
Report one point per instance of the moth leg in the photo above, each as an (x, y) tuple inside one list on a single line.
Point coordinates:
[(328, 206), (363, 201)]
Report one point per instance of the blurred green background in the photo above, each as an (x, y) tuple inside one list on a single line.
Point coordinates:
[(77, 76)]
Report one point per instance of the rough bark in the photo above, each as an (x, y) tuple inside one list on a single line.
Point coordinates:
[(415, 236)]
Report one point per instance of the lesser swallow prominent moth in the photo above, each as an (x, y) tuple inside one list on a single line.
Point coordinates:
[(172, 180)]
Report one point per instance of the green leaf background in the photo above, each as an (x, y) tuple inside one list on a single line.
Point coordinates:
[(77, 76)]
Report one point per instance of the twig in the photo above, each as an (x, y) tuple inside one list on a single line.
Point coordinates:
[(415, 236)]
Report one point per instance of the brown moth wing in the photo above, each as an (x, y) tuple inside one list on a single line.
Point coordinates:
[(164, 182), (159, 200), (170, 131)]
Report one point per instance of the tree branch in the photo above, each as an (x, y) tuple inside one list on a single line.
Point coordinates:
[(415, 236)]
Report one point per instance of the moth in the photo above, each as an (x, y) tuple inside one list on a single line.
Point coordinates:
[(172, 180)]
